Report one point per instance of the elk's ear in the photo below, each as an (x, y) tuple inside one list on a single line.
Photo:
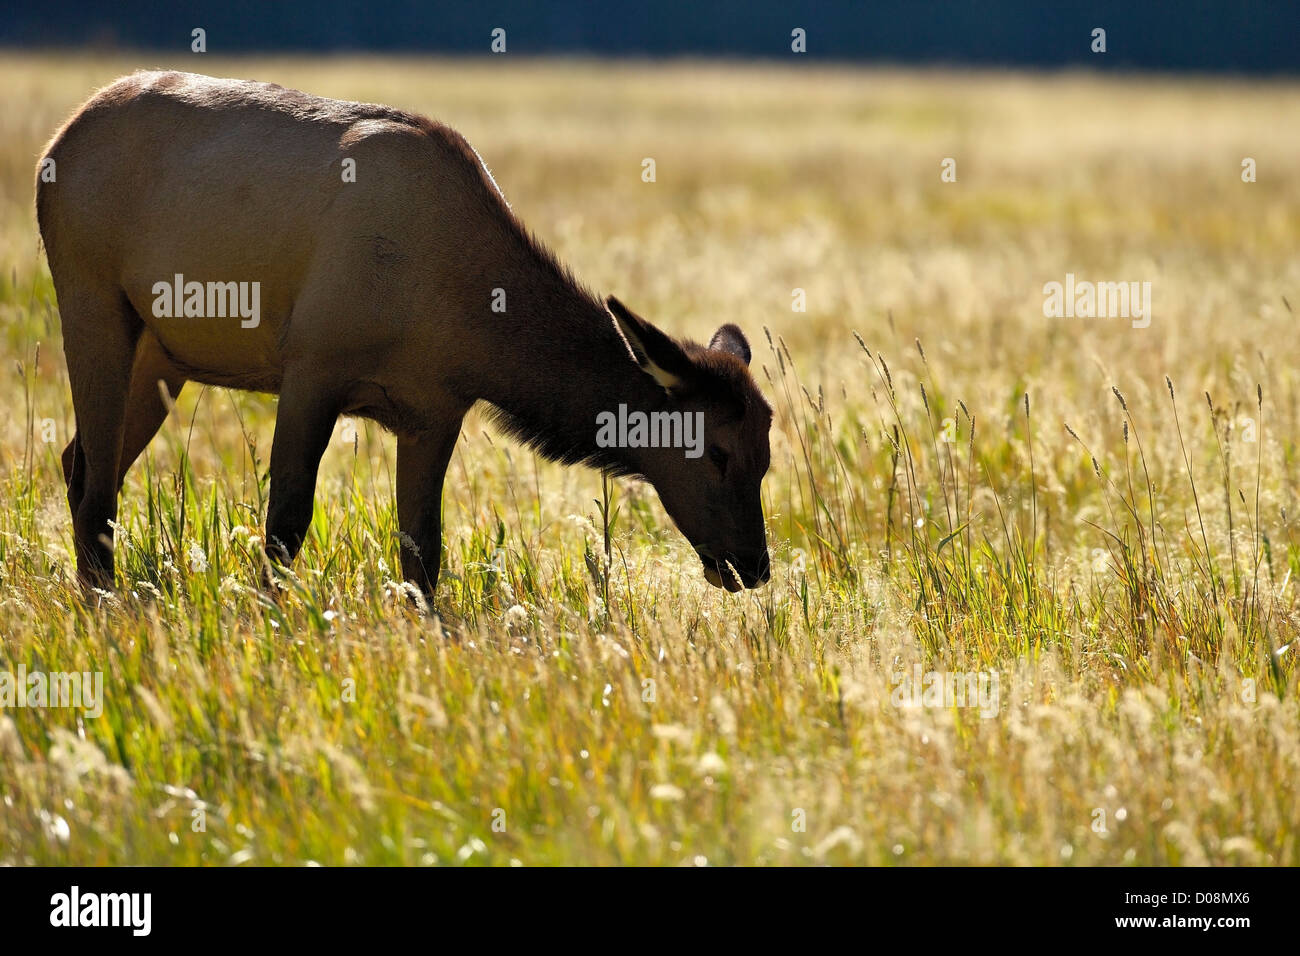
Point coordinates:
[(730, 339), (658, 355)]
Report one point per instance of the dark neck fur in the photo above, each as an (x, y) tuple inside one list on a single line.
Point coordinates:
[(560, 363)]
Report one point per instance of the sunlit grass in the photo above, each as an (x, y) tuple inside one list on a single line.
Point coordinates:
[(956, 482)]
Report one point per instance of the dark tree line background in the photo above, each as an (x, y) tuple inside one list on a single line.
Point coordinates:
[(1248, 36)]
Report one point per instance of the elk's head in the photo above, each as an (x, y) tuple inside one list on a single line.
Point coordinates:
[(710, 483)]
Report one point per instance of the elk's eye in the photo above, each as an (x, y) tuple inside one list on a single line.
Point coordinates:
[(718, 457)]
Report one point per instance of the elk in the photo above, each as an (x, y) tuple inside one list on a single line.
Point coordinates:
[(378, 244)]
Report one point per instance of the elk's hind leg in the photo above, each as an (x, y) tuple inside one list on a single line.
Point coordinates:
[(100, 331), (144, 415), (74, 472), (145, 408)]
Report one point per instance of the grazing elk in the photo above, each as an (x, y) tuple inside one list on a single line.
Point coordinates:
[(348, 257)]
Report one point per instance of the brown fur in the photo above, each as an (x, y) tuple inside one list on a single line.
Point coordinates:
[(375, 301)]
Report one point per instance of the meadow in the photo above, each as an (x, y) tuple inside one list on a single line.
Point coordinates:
[(1100, 516)]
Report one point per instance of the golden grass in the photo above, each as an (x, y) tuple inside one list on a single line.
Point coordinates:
[(1144, 636)]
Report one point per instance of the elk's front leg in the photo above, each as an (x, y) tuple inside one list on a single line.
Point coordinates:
[(421, 465), (303, 425)]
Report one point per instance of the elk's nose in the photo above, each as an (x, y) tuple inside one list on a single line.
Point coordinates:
[(754, 571), (749, 572)]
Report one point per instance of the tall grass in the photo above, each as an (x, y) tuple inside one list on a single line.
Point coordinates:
[(957, 483)]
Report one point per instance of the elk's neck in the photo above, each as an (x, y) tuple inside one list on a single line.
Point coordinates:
[(556, 363)]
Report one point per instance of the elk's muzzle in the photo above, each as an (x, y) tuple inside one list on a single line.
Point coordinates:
[(723, 573)]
